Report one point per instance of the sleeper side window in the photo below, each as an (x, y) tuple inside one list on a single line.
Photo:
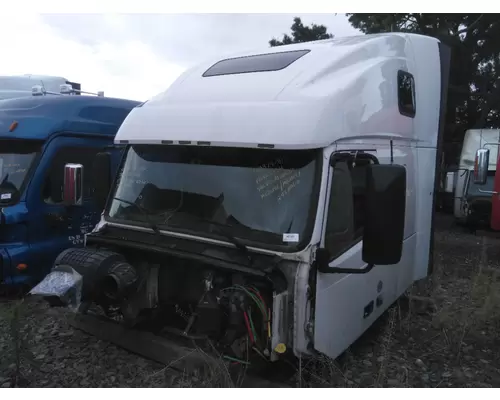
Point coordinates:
[(346, 207), (53, 183), (406, 94)]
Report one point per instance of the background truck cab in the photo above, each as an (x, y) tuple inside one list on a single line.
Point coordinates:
[(482, 178), (39, 135), (472, 204)]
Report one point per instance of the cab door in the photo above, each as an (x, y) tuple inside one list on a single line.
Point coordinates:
[(347, 304), (55, 226)]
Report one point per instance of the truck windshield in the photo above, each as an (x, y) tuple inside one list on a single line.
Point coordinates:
[(16, 158), (257, 195)]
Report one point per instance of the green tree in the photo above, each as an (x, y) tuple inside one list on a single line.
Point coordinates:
[(474, 88), (301, 33)]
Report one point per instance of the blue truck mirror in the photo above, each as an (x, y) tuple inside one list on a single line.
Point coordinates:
[(73, 185)]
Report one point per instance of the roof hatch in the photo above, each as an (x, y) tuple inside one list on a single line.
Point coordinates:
[(257, 63)]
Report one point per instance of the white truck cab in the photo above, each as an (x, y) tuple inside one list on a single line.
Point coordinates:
[(282, 197)]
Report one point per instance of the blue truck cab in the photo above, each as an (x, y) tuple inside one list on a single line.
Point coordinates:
[(41, 138)]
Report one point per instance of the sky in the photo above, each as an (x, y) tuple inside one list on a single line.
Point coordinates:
[(137, 56)]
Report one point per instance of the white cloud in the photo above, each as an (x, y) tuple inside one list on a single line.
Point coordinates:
[(189, 38), (136, 56), (127, 69)]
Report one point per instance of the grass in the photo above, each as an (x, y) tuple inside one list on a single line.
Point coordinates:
[(18, 344), (444, 335)]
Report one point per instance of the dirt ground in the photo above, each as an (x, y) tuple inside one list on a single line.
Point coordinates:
[(451, 341)]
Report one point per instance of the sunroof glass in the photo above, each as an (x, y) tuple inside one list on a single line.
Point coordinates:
[(257, 63)]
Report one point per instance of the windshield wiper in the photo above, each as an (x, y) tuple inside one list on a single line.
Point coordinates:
[(222, 229), (151, 224), (234, 240)]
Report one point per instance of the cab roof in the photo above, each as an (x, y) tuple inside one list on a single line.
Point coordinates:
[(39, 117), (305, 95)]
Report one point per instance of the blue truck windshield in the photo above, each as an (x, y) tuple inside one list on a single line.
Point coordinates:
[(16, 159), (258, 195)]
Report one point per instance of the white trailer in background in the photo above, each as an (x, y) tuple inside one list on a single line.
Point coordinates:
[(304, 172), (472, 206)]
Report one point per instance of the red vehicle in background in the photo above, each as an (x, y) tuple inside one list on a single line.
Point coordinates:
[(480, 177)]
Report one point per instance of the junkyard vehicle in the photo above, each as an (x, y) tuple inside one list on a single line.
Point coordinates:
[(275, 202)]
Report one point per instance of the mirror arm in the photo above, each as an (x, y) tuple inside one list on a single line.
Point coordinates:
[(327, 270)]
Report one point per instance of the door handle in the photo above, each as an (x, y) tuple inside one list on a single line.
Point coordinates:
[(368, 309)]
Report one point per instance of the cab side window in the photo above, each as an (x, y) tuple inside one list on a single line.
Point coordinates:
[(406, 94), (345, 219), (52, 188)]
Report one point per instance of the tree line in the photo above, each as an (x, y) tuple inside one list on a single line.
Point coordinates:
[(474, 39)]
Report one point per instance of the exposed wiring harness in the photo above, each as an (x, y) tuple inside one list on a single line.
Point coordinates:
[(259, 341)]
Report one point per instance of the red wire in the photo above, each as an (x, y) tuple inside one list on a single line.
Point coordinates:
[(247, 322), (260, 297)]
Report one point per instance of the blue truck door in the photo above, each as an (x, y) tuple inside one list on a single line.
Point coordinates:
[(55, 226)]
